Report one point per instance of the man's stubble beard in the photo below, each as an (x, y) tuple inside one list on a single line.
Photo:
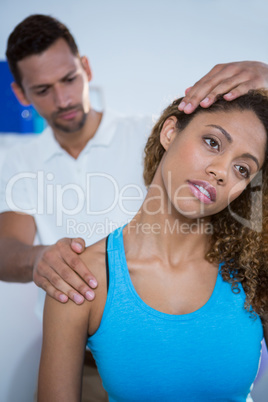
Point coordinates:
[(70, 127)]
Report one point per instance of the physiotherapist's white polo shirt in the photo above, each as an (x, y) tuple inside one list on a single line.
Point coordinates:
[(86, 197)]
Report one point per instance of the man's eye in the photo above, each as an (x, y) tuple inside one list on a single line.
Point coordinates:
[(70, 79), (212, 143), (42, 91)]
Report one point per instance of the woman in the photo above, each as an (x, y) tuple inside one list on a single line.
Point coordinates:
[(187, 303)]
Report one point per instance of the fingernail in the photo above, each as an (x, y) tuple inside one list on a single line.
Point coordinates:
[(188, 108), (89, 295), (93, 283), (181, 105), (63, 298), (206, 100), (78, 299), (78, 245), (229, 95)]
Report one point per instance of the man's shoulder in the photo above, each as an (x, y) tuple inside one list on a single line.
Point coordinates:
[(128, 127), (32, 149), (132, 120)]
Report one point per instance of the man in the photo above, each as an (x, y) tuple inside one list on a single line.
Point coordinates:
[(84, 174), (50, 74)]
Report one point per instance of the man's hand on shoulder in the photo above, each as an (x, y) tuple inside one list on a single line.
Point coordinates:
[(59, 270), (231, 80)]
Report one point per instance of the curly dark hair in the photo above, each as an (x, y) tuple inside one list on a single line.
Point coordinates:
[(240, 231), (34, 35)]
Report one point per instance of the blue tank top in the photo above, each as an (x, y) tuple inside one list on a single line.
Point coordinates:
[(142, 354)]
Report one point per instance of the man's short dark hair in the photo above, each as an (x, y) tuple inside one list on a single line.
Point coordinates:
[(34, 35)]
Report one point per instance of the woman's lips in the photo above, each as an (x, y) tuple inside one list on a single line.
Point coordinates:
[(203, 191)]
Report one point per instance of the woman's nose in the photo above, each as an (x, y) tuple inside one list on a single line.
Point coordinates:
[(219, 177), (218, 170)]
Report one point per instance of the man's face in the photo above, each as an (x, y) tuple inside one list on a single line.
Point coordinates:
[(55, 82)]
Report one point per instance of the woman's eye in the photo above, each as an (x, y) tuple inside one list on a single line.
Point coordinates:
[(243, 171), (212, 143)]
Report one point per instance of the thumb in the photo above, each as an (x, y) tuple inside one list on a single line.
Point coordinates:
[(78, 245)]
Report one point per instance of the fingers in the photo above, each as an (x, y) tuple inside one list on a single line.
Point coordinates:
[(62, 273), (228, 86), (200, 90), (187, 90), (72, 260), (64, 284), (51, 290), (231, 79), (242, 89), (78, 245)]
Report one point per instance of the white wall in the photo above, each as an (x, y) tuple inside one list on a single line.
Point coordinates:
[(143, 53)]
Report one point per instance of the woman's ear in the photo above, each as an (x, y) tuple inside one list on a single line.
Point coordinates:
[(168, 132)]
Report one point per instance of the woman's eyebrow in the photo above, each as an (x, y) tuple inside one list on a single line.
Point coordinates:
[(246, 155), (224, 132), (230, 140)]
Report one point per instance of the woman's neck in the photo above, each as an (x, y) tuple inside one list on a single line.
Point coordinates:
[(160, 228)]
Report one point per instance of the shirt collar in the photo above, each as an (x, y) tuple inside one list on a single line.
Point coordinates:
[(50, 145), (106, 130)]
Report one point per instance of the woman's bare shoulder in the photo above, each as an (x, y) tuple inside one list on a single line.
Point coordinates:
[(94, 258)]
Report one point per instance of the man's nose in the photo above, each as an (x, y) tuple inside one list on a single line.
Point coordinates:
[(62, 97)]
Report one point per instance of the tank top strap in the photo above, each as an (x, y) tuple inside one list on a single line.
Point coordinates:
[(117, 269), (115, 240)]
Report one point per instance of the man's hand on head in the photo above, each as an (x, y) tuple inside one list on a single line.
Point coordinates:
[(59, 270), (231, 80)]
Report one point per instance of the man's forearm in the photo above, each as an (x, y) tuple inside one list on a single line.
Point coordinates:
[(17, 260)]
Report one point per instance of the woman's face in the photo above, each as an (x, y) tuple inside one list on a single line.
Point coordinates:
[(209, 163)]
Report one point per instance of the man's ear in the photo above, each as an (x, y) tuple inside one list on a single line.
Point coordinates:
[(18, 91), (86, 67), (168, 132)]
